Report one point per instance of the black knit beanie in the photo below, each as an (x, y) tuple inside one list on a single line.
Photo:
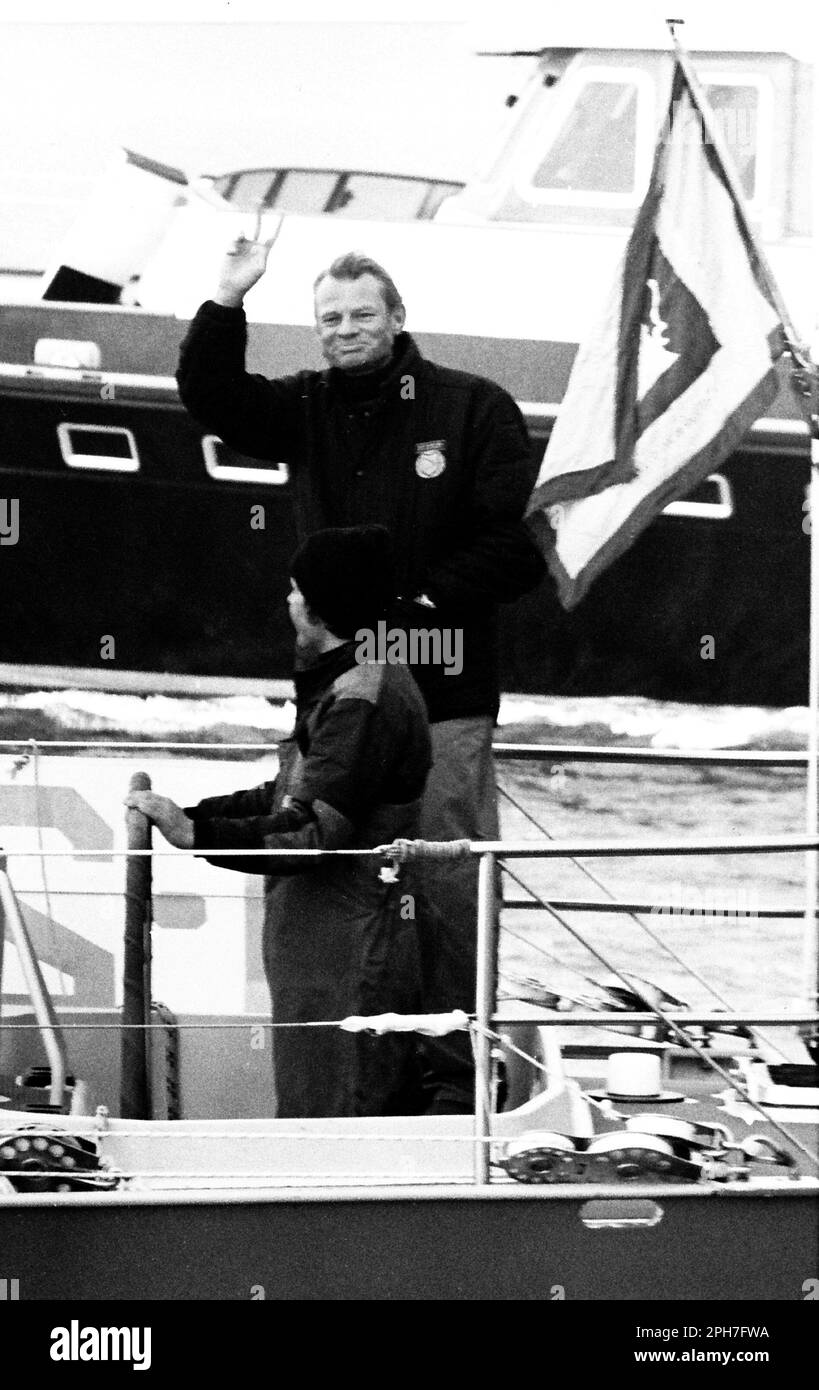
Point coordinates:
[(347, 576)]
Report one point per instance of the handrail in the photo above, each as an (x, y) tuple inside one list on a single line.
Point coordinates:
[(50, 1031), (515, 849), (607, 1020), (507, 752), (620, 906), (586, 753), (602, 1018), (608, 906)]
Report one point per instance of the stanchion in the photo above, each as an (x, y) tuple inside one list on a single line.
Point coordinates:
[(135, 1090), (484, 1008)]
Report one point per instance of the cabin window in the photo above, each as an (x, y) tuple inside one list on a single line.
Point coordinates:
[(232, 467), (388, 199), (107, 447), (248, 191), (310, 192), (595, 149), (437, 193), (305, 191), (736, 107)]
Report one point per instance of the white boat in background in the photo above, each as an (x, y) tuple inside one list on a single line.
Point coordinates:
[(502, 280)]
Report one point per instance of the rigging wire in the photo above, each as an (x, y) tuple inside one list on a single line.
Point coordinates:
[(681, 1033), (654, 936)]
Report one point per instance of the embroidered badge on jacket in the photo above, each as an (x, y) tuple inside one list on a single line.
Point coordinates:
[(431, 461)]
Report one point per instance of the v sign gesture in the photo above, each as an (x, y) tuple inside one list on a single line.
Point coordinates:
[(243, 266)]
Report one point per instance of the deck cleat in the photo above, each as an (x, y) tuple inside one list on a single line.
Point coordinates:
[(758, 1148)]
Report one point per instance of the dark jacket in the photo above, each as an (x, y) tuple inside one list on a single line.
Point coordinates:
[(439, 457), (338, 940)]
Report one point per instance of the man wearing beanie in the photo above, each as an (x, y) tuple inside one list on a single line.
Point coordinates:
[(443, 460), (337, 940)]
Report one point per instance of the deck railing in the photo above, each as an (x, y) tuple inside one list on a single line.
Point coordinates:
[(488, 853)]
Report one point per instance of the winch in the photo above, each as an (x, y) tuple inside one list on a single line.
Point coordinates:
[(649, 1147), (49, 1160)]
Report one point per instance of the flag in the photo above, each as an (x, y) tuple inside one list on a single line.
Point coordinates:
[(676, 370)]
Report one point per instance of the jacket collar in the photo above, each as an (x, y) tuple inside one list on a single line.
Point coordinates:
[(311, 681)]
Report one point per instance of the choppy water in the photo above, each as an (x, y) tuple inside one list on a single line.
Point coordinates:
[(751, 962), (619, 720)]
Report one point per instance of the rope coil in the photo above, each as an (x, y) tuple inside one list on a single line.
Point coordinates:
[(403, 850), (431, 1025)]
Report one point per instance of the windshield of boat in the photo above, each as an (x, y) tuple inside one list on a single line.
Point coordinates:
[(342, 193), (578, 145)]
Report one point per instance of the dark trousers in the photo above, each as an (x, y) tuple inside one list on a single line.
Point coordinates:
[(460, 802), (336, 943)]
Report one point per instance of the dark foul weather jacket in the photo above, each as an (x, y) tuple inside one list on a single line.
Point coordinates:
[(440, 457), (338, 940)]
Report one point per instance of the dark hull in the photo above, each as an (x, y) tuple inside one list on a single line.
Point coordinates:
[(416, 1244), (166, 562)]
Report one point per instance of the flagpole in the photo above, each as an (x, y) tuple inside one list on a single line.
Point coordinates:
[(811, 935), (714, 137), (805, 383)]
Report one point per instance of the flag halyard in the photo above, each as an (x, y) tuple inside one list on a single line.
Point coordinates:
[(676, 370)]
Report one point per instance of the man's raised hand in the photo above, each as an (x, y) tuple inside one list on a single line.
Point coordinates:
[(244, 264)]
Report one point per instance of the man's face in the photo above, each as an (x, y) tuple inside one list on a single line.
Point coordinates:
[(355, 328), (308, 631)]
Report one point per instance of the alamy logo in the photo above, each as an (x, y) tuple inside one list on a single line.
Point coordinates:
[(417, 646), (740, 901), (75, 1343), (9, 520)]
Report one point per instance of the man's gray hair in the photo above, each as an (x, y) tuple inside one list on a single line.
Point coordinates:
[(352, 265)]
